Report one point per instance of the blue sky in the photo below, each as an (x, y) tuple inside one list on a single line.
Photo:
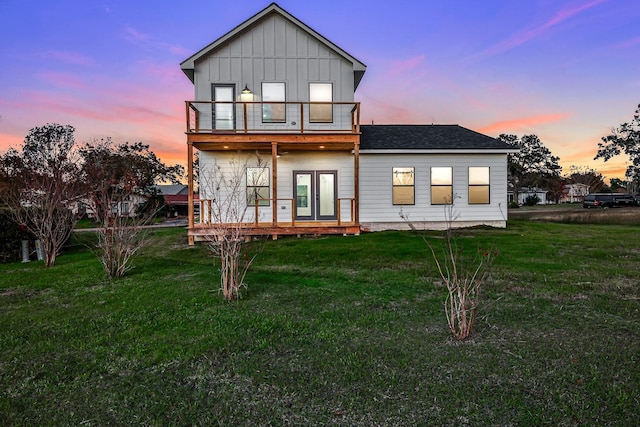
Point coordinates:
[(565, 70)]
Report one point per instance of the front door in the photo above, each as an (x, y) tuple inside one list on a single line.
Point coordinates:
[(223, 114), (315, 193)]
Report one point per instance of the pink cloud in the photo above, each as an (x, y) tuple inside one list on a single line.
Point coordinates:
[(532, 33), (105, 110), (133, 35), (65, 80), (629, 43), (162, 72), (146, 41), (69, 57), (401, 67), (525, 122)]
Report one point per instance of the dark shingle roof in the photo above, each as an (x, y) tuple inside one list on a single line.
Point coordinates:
[(426, 137)]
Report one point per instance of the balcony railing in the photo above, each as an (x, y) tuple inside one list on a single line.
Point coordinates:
[(272, 117), (345, 213)]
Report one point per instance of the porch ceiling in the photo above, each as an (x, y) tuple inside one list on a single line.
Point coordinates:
[(333, 142)]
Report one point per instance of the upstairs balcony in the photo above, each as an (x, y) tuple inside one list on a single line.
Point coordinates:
[(237, 118)]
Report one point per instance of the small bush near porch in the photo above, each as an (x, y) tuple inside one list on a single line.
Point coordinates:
[(332, 331)]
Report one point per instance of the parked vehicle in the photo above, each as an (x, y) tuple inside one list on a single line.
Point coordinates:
[(624, 200), (608, 200)]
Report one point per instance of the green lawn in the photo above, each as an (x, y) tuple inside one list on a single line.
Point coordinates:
[(343, 331)]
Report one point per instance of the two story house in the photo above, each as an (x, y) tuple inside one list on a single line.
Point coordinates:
[(277, 98)]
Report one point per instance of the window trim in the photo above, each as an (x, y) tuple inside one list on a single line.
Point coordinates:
[(450, 186), (214, 119), (394, 186), (255, 189), (320, 104), (487, 185)]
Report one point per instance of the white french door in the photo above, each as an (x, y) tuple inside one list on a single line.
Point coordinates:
[(315, 193)]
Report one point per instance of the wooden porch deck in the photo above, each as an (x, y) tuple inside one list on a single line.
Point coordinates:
[(200, 231)]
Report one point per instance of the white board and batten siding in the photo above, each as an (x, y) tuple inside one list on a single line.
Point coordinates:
[(278, 51), (377, 211), (341, 162)]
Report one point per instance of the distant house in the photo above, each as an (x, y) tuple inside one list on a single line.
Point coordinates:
[(176, 198), (525, 192), (574, 193), (274, 86)]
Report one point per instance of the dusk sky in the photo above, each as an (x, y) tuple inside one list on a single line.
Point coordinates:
[(565, 70)]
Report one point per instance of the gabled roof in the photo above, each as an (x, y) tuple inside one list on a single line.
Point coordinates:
[(428, 138), (188, 65), (171, 189)]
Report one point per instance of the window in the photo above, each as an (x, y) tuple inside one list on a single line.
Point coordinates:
[(273, 113), (223, 111), (478, 185), (441, 185), (258, 186), (403, 186), (322, 93)]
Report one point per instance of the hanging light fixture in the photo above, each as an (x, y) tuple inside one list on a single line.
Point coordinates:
[(247, 95)]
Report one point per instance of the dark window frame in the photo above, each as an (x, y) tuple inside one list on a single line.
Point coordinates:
[(396, 170), (487, 185)]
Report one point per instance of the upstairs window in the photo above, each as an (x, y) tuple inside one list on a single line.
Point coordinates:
[(478, 185), (321, 93), (258, 186), (441, 185), (273, 113), (403, 184)]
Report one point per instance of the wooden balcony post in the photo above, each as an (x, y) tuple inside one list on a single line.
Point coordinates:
[(256, 204), (190, 188), (186, 103), (356, 180), (244, 115), (274, 183), (293, 212), (301, 117)]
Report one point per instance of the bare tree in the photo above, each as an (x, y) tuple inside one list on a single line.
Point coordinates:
[(121, 179), (226, 216), (42, 186), (463, 274)]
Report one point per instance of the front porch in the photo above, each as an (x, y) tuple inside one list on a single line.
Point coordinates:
[(343, 224), (201, 232), (280, 213)]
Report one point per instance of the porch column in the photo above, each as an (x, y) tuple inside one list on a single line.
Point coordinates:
[(274, 166), (356, 181), (190, 189)]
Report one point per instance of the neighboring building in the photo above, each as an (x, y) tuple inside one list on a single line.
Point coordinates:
[(176, 198), (574, 193), (274, 88), (525, 192)]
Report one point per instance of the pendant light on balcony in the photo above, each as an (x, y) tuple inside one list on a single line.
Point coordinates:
[(247, 95)]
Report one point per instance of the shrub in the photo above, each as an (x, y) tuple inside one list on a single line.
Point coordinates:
[(11, 234), (532, 200)]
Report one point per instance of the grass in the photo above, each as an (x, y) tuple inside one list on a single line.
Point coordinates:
[(331, 331), (573, 213)]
